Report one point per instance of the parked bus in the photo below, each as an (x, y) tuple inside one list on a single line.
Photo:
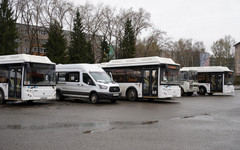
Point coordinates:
[(26, 78), (188, 81), (214, 79), (85, 81), (146, 77)]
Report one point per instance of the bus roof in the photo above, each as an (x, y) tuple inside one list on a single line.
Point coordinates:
[(209, 69), (75, 67), (155, 60), (21, 58), (188, 69)]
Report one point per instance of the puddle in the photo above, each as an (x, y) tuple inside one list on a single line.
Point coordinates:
[(84, 127), (40, 127), (121, 125), (203, 117)]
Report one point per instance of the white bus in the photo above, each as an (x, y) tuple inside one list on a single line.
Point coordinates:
[(188, 81), (146, 77), (85, 81), (26, 78), (214, 79)]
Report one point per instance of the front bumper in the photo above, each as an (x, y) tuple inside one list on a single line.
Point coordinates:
[(109, 95)]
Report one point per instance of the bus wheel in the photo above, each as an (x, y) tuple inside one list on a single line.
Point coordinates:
[(59, 96), (94, 98), (189, 93), (2, 101), (131, 95), (182, 92), (202, 91)]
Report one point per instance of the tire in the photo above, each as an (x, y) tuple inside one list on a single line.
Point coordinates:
[(93, 98), (132, 95), (202, 90), (2, 100), (210, 93), (113, 100), (182, 92), (29, 102), (59, 96), (189, 93)]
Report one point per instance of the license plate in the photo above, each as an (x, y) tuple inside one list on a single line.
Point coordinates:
[(115, 94)]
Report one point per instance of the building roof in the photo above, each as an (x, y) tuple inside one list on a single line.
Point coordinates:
[(237, 44)]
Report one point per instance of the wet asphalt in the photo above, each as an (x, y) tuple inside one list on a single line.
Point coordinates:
[(187, 123)]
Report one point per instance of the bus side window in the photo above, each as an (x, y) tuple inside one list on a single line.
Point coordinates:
[(74, 77), (68, 77), (61, 77), (3, 76), (118, 75)]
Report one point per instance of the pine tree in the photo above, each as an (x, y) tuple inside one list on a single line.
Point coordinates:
[(89, 55), (128, 44), (8, 30), (80, 51), (56, 45)]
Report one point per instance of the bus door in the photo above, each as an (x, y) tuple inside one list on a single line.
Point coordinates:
[(150, 83), (216, 82), (15, 78)]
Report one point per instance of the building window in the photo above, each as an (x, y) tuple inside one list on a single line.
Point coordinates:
[(27, 41)]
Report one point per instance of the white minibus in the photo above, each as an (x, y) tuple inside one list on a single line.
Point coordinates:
[(26, 78), (188, 81), (146, 77), (85, 81), (214, 79)]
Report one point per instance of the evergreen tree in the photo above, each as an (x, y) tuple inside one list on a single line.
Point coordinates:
[(56, 45), (128, 44), (80, 51), (89, 55), (104, 51), (8, 30)]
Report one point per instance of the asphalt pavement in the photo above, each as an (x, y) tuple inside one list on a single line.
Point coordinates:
[(187, 123)]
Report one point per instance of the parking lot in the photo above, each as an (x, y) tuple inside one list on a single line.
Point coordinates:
[(196, 122)]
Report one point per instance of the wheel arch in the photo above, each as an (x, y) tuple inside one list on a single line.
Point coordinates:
[(59, 90), (93, 91), (2, 92), (202, 86)]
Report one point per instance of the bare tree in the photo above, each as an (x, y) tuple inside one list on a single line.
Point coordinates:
[(153, 45)]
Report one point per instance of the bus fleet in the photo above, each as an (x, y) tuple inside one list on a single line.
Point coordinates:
[(27, 78)]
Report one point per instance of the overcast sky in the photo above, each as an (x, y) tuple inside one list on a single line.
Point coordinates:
[(200, 20)]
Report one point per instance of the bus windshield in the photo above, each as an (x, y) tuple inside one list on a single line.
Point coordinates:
[(169, 76), (39, 74), (228, 80), (101, 77), (183, 76)]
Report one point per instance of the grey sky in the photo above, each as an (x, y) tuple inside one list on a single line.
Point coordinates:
[(201, 20)]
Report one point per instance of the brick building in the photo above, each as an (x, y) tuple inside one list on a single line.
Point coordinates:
[(32, 39), (237, 59)]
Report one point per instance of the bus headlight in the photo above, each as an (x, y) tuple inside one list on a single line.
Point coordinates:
[(102, 86)]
